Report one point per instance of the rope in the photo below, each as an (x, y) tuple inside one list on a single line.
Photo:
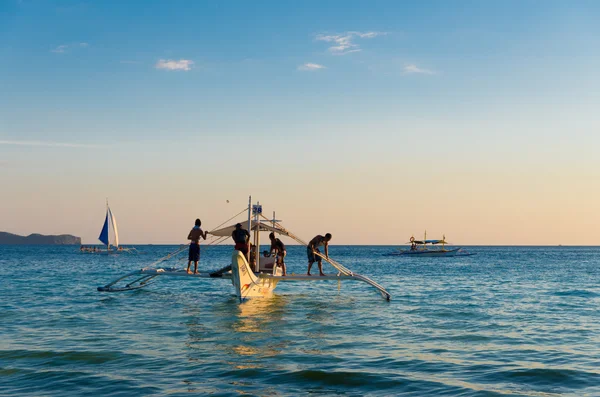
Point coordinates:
[(181, 248), (236, 215), (341, 268)]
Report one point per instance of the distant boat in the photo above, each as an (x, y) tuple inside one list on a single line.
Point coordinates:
[(105, 236), (419, 248), (109, 236)]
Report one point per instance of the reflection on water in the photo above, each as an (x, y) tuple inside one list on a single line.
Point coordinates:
[(248, 328), (260, 315)]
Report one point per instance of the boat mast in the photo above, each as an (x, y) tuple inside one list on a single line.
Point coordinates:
[(249, 214), (108, 235), (257, 210)]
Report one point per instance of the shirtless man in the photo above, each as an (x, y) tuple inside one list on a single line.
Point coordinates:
[(278, 248), (194, 253), (313, 247)]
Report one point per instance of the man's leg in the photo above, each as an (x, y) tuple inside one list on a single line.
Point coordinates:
[(320, 268), (282, 260), (309, 266), (195, 267), (283, 268), (188, 269)]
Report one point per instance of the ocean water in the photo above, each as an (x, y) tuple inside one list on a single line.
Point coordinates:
[(509, 321)]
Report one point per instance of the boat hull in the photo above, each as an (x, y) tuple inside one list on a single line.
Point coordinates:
[(246, 283), (431, 253)]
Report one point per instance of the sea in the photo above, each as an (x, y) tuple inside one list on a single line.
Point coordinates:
[(507, 321)]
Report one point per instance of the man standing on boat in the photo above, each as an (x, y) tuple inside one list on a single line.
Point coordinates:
[(278, 248), (313, 248), (240, 237), (194, 254)]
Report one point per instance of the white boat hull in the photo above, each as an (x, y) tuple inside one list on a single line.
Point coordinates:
[(246, 283), (429, 253)]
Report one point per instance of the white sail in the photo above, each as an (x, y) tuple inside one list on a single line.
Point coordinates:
[(113, 222)]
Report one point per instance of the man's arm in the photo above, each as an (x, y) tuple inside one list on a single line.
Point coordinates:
[(204, 235), (326, 250), (190, 235), (272, 249)]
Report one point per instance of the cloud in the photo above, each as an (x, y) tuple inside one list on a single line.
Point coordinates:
[(344, 42), (49, 144), (169, 64), (61, 49), (414, 69), (310, 67)]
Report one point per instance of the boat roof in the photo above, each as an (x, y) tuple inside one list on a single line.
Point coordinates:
[(263, 225), (430, 242)]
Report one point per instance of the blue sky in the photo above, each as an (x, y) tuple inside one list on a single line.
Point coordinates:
[(92, 89)]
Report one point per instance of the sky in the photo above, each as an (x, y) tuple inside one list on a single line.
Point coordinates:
[(370, 120)]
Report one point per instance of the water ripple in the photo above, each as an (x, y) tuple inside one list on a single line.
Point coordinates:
[(506, 322)]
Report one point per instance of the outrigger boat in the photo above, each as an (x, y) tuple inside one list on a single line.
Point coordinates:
[(109, 236), (419, 248), (250, 280)]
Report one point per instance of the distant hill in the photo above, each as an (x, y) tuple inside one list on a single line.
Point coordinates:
[(39, 239)]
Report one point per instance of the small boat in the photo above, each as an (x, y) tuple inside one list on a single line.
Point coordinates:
[(419, 248), (109, 236), (255, 279)]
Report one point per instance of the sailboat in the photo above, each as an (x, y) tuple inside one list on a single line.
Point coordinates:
[(109, 236), (105, 236), (256, 278)]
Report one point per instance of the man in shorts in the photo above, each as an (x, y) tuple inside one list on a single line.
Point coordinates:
[(313, 247), (278, 248), (194, 253)]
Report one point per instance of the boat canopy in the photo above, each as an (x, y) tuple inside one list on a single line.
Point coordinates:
[(264, 227), (430, 242)]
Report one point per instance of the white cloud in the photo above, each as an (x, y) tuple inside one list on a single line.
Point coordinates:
[(169, 64), (310, 67), (61, 49), (344, 43), (414, 69), (49, 144)]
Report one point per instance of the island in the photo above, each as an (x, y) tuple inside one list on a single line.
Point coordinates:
[(38, 239)]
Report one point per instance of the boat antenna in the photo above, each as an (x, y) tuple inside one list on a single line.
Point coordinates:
[(249, 213)]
